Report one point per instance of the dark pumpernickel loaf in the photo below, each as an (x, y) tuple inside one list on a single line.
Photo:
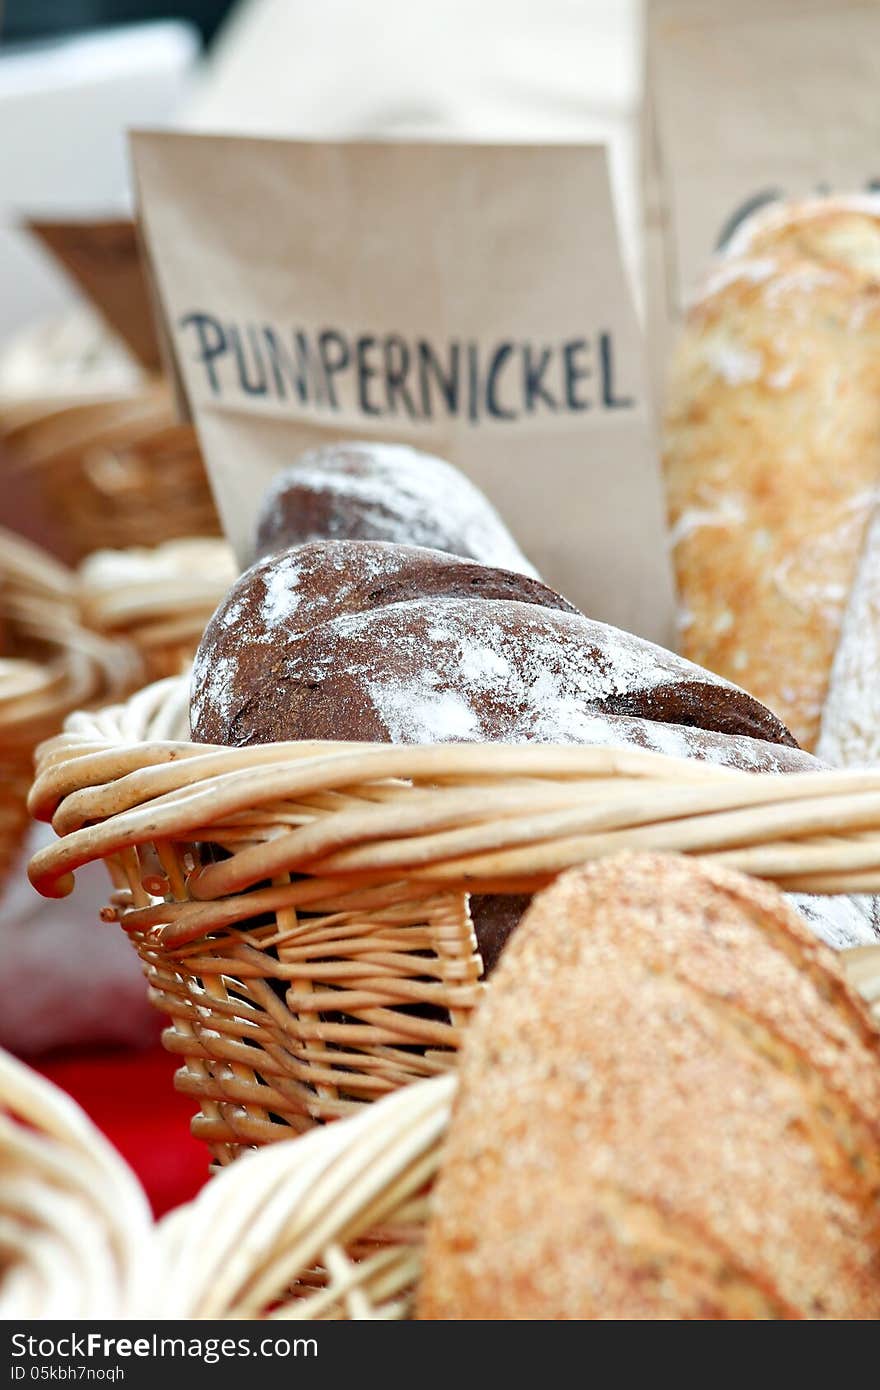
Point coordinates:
[(383, 492), (370, 641), (373, 641), (249, 687)]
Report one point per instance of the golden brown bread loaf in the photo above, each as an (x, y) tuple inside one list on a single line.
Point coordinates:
[(772, 449), (669, 1107)]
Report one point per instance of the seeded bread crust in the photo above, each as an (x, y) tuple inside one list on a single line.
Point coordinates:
[(669, 1107)]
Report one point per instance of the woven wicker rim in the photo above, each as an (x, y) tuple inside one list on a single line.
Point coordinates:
[(77, 666), (121, 470), (75, 1226), (43, 430), (160, 599), (119, 589), (477, 818), (327, 1226), (301, 910)]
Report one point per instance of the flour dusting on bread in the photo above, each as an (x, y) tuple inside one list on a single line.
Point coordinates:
[(772, 449), (387, 492), (850, 734)]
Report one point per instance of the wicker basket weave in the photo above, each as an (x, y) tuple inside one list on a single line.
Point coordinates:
[(49, 665), (328, 1226), (159, 600), (332, 1225), (76, 1233), (301, 910), (122, 469)]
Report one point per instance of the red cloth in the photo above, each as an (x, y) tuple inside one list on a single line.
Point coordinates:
[(131, 1097)]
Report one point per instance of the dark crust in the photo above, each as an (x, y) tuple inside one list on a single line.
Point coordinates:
[(495, 917), (295, 512), (726, 710), (304, 677), (301, 515), (333, 586), (336, 579), (451, 577)]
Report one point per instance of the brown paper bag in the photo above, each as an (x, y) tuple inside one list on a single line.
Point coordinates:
[(466, 299), (750, 101), (103, 259)]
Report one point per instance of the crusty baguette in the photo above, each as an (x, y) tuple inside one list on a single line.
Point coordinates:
[(669, 1107), (772, 450)]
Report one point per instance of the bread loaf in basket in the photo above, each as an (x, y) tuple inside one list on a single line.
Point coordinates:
[(668, 1107), (301, 909)]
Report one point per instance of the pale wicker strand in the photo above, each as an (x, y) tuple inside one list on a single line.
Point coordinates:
[(77, 1233), (158, 599), (803, 808), (300, 909), (326, 1226), (49, 664), (249, 1239)]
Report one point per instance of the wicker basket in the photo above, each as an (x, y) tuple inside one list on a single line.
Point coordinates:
[(77, 1233), (159, 600), (301, 910), (327, 1226), (121, 468), (50, 666)]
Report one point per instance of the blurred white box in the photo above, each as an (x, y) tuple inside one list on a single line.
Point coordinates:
[(64, 109)]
